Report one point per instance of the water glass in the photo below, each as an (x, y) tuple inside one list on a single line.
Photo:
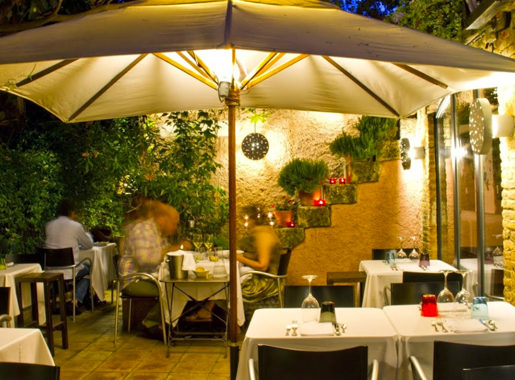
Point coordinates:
[(479, 308), (429, 307), (390, 257), (424, 260), (327, 313)]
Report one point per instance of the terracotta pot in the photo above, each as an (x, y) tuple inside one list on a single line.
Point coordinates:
[(283, 217), (306, 199)]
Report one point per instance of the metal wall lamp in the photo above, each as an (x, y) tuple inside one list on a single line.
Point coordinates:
[(409, 153)]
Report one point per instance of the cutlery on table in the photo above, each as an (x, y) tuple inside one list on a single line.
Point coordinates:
[(439, 322), (488, 325), (294, 327), (343, 327), (336, 328), (492, 322), (433, 323), (288, 328)]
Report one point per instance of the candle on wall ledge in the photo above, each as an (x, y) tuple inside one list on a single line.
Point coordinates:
[(332, 180), (246, 221), (290, 224), (342, 180), (319, 202)]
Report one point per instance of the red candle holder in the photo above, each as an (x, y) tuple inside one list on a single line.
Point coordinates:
[(319, 202), (290, 224), (342, 180), (332, 181)]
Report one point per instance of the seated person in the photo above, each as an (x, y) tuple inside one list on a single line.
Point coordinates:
[(146, 243), (65, 232)]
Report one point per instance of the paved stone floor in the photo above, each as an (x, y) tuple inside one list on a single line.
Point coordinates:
[(92, 354)]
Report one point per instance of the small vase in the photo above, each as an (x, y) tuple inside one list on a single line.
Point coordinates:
[(283, 217), (306, 199)]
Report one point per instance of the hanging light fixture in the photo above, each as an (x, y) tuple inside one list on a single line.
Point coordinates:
[(255, 145)]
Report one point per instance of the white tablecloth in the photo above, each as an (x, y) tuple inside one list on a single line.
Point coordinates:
[(7, 277), (416, 335), (24, 346), (368, 327), (380, 275), (200, 290), (103, 271)]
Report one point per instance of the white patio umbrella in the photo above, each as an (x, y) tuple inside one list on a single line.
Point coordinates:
[(162, 55)]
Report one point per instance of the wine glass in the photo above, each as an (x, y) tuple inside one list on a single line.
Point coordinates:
[(445, 298), (197, 242), (208, 242), (414, 255), (310, 306), (401, 254), (463, 300)]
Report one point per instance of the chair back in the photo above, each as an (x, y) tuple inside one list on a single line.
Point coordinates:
[(27, 371), (116, 263), (380, 253), (432, 277), (19, 258), (409, 293), (503, 372), (5, 300), (451, 358), (284, 364), (284, 263), (341, 295), (58, 257)]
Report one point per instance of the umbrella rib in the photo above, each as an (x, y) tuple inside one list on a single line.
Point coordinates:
[(278, 69), (201, 63), (193, 65), (361, 85), (202, 78), (107, 86), (421, 75), (263, 66), (42, 73)]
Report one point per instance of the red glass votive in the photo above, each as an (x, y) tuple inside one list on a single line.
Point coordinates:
[(342, 180), (319, 202), (429, 308), (332, 181), (290, 224)]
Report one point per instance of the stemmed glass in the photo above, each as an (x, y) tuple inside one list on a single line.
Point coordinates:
[(310, 306), (463, 300), (197, 242), (445, 297), (413, 256), (497, 255), (208, 242), (401, 254)]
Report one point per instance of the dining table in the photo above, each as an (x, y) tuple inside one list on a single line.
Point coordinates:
[(471, 265), (417, 334), (7, 279), (380, 275), (21, 345), (364, 326), (103, 271)]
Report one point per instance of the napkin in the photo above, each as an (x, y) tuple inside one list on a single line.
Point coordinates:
[(317, 329), (188, 263), (469, 325)]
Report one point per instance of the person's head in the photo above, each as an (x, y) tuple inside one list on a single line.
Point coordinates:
[(66, 208), (166, 218)]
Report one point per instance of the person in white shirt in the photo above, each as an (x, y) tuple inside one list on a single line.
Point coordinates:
[(65, 232)]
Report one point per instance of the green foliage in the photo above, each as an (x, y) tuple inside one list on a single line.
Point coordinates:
[(373, 130), (302, 175), (442, 18)]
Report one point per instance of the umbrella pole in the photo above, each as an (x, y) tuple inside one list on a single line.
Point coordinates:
[(232, 101)]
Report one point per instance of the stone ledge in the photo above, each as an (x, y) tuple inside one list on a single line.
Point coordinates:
[(365, 171), (314, 216), (290, 237), (340, 194)]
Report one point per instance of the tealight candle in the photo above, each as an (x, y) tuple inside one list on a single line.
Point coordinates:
[(342, 180), (332, 181), (319, 202)]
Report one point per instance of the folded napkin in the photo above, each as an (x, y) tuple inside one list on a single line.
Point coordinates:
[(317, 329), (188, 262), (224, 253), (469, 325)]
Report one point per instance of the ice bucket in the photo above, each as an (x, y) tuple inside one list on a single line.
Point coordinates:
[(175, 260)]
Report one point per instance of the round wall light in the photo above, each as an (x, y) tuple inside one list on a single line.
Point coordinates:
[(255, 146)]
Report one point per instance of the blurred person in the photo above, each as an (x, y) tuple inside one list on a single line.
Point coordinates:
[(146, 242), (66, 232)]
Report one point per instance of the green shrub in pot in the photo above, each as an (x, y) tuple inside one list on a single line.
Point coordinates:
[(303, 175)]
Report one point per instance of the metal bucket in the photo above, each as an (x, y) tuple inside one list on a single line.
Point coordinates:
[(175, 267)]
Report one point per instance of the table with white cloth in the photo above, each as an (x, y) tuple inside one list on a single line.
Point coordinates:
[(472, 277), (380, 275), (365, 327), (102, 271), (24, 346), (7, 279), (417, 336)]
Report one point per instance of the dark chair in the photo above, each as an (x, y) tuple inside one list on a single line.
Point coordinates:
[(36, 258), (59, 259), (355, 278), (280, 277), (503, 372), (5, 303), (409, 293), (342, 296), (276, 363), (497, 285), (120, 295), (432, 277), (27, 371), (451, 358)]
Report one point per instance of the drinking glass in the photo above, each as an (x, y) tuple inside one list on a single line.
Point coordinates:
[(463, 300), (310, 306), (401, 254), (479, 308), (208, 242), (197, 242), (445, 298), (413, 256), (424, 261)]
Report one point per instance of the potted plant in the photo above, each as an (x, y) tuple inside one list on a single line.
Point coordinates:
[(283, 210), (305, 177)]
